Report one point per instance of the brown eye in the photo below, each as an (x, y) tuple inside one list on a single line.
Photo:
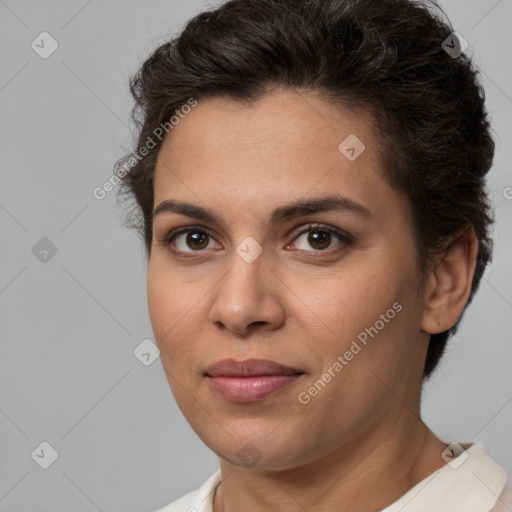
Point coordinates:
[(189, 240), (319, 239), (196, 240)]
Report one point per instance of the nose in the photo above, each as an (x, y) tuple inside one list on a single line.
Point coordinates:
[(248, 298)]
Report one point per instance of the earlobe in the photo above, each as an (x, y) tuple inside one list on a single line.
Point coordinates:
[(449, 283)]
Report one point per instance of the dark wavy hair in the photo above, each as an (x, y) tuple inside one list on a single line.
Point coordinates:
[(384, 57)]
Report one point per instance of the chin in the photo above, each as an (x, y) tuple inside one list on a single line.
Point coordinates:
[(258, 449)]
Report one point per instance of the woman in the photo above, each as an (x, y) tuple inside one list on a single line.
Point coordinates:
[(310, 180)]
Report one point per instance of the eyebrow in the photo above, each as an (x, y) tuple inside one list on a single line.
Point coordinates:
[(278, 215)]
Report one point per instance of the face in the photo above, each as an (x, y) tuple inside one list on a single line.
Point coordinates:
[(261, 265)]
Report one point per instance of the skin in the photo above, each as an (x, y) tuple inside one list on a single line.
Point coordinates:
[(298, 304)]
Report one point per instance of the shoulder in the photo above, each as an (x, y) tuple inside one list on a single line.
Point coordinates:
[(471, 481), (198, 500), (504, 503)]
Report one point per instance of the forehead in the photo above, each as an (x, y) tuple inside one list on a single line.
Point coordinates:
[(287, 144)]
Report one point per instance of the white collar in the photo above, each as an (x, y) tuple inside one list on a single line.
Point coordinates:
[(472, 486)]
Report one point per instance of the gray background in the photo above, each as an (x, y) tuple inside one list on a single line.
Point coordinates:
[(69, 326)]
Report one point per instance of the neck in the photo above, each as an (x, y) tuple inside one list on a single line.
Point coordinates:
[(387, 463)]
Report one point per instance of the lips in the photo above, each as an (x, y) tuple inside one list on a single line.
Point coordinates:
[(249, 368), (249, 381)]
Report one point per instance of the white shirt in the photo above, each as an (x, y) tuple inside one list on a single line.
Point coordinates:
[(478, 484)]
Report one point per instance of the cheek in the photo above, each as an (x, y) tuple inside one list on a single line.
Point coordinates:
[(160, 305), (172, 307), (369, 316), (351, 302)]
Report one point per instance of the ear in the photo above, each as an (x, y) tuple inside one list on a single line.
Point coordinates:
[(449, 283)]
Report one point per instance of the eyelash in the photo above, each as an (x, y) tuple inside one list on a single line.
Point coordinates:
[(345, 238)]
